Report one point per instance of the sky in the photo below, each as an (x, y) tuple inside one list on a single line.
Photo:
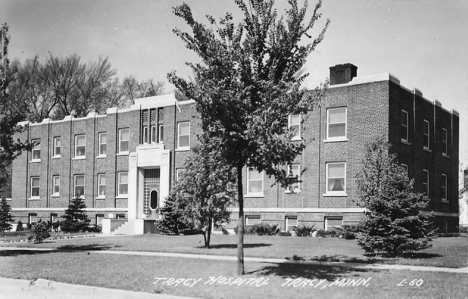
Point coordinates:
[(423, 43)]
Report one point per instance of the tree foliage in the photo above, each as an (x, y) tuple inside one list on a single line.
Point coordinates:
[(205, 191), (75, 218), (394, 223), (39, 231), (247, 84), (5, 215)]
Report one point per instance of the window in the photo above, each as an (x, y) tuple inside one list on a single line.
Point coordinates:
[(57, 146), (80, 146), (444, 187), (254, 182), (444, 142), (179, 174), (183, 135), (35, 187), (32, 217), (153, 134), (79, 185), (99, 218), (404, 126), (53, 217), (124, 135), (425, 182), (336, 124), (331, 223), (294, 124), (291, 222), (426, 134), (336, 177), (36, 151), (160, 134), (56, 185), (294, 171), (120, 216), (101, 185), (123, 183), (145, 134), (102, 144), (252, 219)]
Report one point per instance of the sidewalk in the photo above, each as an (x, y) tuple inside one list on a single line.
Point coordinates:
[(41, 288)]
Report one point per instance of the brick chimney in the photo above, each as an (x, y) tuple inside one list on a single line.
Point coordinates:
[(342, 73)]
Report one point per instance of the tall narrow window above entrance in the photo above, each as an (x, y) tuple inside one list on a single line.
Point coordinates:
[(153, 134), (145, 135), (160, 134), (154, 200)]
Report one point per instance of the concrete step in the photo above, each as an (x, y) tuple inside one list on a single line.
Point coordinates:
[(128, 228)]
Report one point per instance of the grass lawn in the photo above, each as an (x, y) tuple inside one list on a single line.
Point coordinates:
[(139, 273), (446, 252)]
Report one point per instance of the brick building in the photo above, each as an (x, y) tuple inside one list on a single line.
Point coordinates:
[(125, 161)]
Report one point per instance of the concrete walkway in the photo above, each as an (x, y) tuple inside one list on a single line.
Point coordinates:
[(41, 288)]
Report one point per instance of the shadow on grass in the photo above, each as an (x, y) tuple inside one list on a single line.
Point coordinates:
[(311, 271), (337, 258), (85, 247), (234, 246), (17, 252)]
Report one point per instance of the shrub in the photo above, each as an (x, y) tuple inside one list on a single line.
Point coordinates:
[(284, 234), (304, 230), (19, 227), (349, 232), (56, 226), (321, 233), (463, 229), (39, 232), (262, 229)]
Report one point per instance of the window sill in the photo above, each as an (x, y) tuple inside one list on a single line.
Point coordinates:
[(79, 158), (56, 157), (121, 197), (101, 197), (445, 155), (296, 138), (101, 157), (341, 139), (34, 198), (254, 195), (123, 154), (405, 142), (182, 149), (55, 195), (335, 194), (35, 161), (297, 191), (427, 149), (445, 201)]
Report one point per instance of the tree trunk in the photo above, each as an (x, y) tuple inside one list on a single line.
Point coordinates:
[(204, 238), (240, 224), (208, 234)]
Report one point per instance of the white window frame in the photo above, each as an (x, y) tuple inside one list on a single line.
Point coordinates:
[(405, 126), (99, 218), (75, 185), (179, 173), (444, 142), (153, 134), (36, 148), (121, 140), (298, 135), (119, 184), (444, 188), (426, 185), (330, 192), (99, 185), (76, 146), (296, 187), (253, 194), (249, 219), (288, 219), (179, 135), (160, 133), (57, 138), (38, 187), (55, 183), (337, 138), (427, 126), (100, 136)]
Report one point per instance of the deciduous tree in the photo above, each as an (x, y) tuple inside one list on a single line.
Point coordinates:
[(394, 223), (247, 84)]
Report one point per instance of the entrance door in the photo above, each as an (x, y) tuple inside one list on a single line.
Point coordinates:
[(151, 183)]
